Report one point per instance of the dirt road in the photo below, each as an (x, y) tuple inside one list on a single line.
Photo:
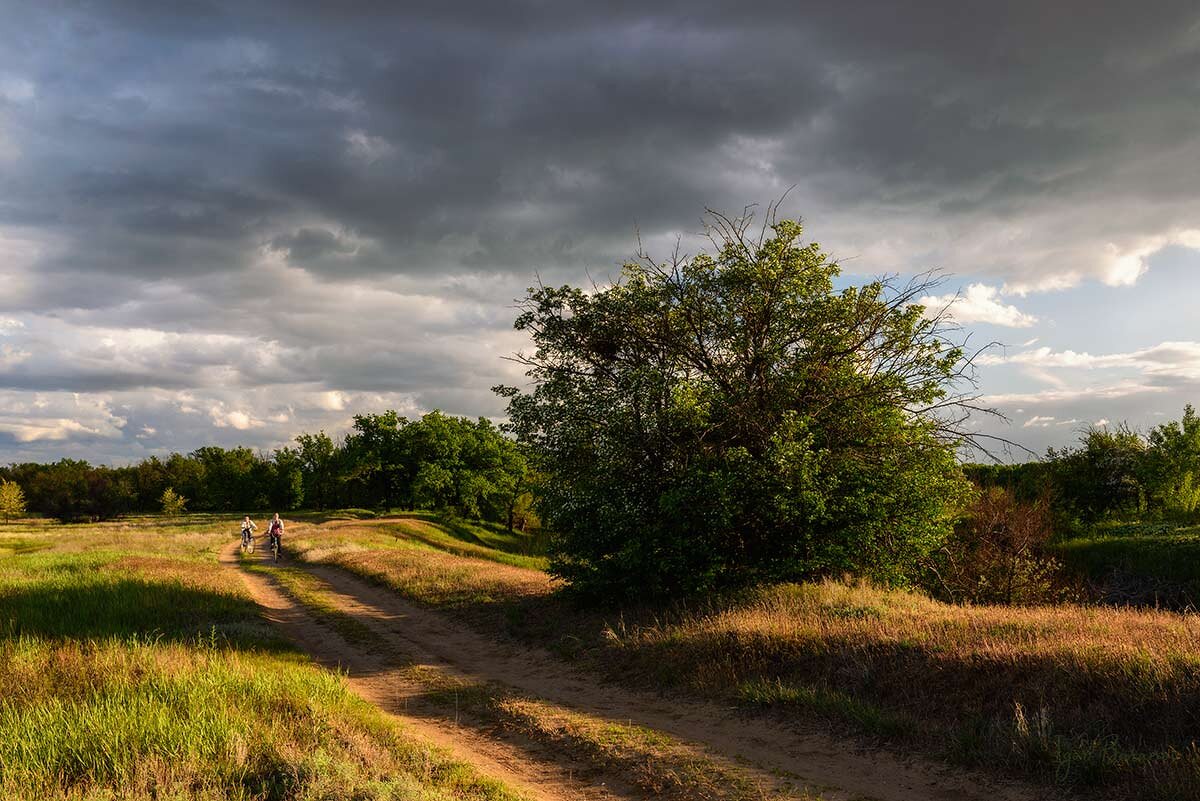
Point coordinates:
[(780, 761)]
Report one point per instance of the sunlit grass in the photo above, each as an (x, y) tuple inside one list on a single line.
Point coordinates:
[(133, 666), (431, 565)]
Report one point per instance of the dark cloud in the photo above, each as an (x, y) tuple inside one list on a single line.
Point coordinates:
[(360, 188)]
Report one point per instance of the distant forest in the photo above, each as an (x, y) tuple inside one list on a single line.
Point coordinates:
[(455, 464)]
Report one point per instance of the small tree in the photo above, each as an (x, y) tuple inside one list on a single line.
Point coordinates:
[(998, 554), (173, 504), (12, 500)]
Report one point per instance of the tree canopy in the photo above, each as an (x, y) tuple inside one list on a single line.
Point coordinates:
[(1113, 472), (734, 417)]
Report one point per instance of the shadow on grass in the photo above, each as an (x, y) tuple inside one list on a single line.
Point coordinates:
[(1156, 570), (1072, 722), (126, 607), (19, 545), (329, 516), (481, 533)]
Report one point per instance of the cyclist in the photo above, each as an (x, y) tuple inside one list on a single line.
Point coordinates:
[(248, 528), (275, 532)]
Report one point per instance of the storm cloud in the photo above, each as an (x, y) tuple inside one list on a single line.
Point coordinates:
[(227, 222)]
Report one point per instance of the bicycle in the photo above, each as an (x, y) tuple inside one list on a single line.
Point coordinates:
[(247, 541), (275, 547)]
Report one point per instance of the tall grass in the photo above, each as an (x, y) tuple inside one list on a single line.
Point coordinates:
[(132, 666)]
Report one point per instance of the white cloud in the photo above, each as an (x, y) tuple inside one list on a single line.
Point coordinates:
[(1178, 360), (1046, 377), (10, 356), (1103, 392), (361, 145), (980, 303), (56, 417), (332, 401), (16, 90), (1123, 266), (234, 418), (1038, 422), (56, 430)]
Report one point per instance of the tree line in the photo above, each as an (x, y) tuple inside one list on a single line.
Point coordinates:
[(1112, 473), (455, 464)]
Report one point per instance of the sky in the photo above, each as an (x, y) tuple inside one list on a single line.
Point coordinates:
[(229, 222)]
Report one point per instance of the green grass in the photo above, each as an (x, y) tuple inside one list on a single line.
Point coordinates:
[(426, 531), (829, 704), (490, 535), (1147, 562), (477, 539), (16, 545), (132, 666)]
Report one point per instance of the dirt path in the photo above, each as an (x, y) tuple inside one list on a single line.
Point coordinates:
[(529, 769), (839, 771)]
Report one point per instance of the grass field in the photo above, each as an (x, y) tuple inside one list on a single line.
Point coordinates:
[(1139, 563), (1102, 700), (133, 667)]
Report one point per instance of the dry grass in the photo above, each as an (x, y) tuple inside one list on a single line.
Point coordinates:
[(1078, 696), (401, 553), (651, 761)]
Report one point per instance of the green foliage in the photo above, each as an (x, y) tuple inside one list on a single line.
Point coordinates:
[(1181, 495), (733, 418), (438, 462), (12, 500), (317, 458), (451, 464), (173, 504), (1105, 476), (1172, 466), (1112, 474)]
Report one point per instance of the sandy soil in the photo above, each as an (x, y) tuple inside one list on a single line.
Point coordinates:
[(774, 755)]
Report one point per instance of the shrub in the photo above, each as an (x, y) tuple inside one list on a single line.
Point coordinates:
[(12, 500), (998, 554), (173, 504)]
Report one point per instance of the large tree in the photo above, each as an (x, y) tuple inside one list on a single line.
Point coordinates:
[(733, 417)]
